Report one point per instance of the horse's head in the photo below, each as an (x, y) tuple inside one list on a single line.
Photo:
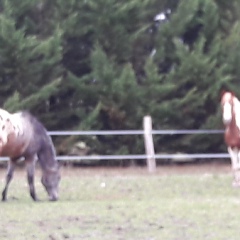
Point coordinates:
[(50, 180), (228, 102)]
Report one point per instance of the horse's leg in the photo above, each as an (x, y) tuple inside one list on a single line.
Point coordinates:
[(233, 152), (237, 171), (234, 155), (30, 166), (10, 171)]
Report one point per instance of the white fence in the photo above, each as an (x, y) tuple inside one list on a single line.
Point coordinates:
[(132, 132), (138, 156)]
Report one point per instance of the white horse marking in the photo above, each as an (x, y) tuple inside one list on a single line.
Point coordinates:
[(227, 113), (234, 154), (17, 123), (237, 111), (5, 124)]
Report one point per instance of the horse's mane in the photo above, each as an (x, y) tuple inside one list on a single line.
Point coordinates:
[(47, 148)]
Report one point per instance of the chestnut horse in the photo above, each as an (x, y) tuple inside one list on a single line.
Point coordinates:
[(23, 136), (231, 119)]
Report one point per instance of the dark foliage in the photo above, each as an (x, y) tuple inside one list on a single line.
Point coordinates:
[(106, 64)]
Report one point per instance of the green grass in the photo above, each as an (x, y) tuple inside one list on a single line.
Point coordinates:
[(130, 206)]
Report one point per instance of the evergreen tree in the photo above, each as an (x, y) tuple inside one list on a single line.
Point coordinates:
[(187, 53), (105, 64), (110, 106), (30, 72)]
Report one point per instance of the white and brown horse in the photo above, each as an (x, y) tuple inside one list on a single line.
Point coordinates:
[(23, 136), (231, 119)]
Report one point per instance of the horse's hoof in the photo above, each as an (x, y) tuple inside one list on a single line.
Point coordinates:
[(4, 198), (53, 199), (34, 198)]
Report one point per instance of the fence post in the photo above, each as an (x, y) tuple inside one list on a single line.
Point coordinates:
[(149, 147)]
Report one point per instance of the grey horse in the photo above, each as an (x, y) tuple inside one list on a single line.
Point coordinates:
[(23, 136)]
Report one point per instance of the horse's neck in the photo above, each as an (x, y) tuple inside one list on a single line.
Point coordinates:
[(234, 127), (47, 156)]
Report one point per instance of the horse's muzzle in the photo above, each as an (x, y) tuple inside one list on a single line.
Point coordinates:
[(53, 196)]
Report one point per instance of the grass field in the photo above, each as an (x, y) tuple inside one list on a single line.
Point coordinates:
[(126, 204)]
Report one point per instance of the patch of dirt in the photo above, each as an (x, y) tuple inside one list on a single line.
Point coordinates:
[(188, 168), (203, 168)]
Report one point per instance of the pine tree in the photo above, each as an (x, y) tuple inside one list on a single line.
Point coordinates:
[(30, 72), (105, 64), (188, 53), (109, 105)]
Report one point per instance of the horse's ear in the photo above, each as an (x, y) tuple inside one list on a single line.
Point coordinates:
[(222, 93)]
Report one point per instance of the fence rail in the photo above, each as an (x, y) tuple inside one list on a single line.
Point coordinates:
[(137, 156), (134, 132), (143, 156)]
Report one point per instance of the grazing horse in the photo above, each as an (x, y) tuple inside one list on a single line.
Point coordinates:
[(23, 136), (231, 119)]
